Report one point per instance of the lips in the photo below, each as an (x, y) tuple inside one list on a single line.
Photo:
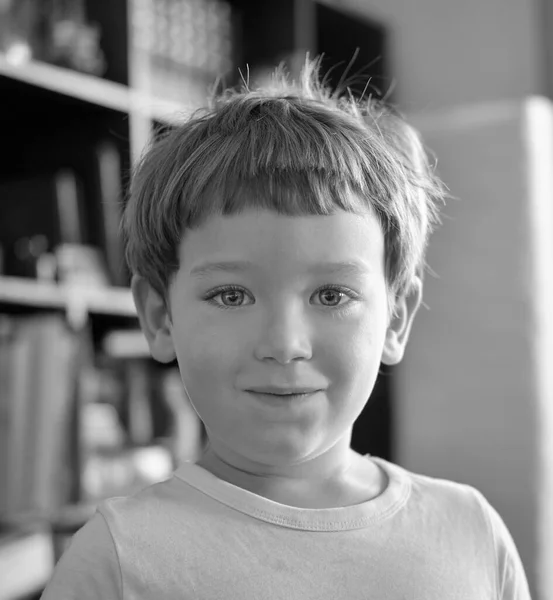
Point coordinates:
[(277, 391), (284, 401)]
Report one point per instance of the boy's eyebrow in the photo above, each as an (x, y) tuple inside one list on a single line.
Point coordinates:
[(350, 267)]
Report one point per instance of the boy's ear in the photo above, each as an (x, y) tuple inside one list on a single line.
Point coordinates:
[(399, 328), (154, 320)]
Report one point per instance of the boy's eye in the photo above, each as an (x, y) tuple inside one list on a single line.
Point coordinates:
[(330, 295)]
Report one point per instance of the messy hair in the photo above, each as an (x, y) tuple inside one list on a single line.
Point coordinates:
[(293, 147)]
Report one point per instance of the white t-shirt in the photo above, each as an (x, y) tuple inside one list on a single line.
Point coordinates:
[(196, 536)]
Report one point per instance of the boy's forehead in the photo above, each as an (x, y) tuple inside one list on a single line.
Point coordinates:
[(255, 220), (259, 237)]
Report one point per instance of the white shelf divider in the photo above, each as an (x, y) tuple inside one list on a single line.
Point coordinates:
[(70, 83), (95, 90), (109, 301)]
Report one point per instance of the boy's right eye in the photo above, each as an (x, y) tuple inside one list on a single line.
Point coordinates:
[(230, 289)]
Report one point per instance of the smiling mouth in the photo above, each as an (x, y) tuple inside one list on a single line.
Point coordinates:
[(282, 397)]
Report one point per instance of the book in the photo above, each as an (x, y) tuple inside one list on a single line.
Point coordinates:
[(18, 411), (6, 339), (55, 375), (108, 202), (139, 416), (38, 409)]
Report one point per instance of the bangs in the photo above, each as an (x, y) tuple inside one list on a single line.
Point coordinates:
[(290, 163), (290, 193)]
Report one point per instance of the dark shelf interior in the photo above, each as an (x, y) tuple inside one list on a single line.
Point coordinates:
[(41, 129), (269, 33), (45, 132), (340, 35), (112, 18)]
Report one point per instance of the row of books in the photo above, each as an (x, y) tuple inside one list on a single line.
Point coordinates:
[(79, 424), (38, 377), (72, 419)]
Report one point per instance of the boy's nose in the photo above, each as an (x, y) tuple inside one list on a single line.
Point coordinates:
[(285, 341)]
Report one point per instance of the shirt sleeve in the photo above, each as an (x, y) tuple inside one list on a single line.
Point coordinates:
[(511, 578), (89, 568)]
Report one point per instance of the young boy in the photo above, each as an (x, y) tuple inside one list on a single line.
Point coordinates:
[(278, 247)]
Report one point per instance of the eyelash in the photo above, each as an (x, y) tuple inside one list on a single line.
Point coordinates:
[(233, 288)]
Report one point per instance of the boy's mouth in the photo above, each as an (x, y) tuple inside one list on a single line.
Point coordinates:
[(278, 398), (275, 391)]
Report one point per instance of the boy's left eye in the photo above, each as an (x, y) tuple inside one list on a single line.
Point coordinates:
[(333, 290)]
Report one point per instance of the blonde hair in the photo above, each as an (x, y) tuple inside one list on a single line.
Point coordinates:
[(293, 147)]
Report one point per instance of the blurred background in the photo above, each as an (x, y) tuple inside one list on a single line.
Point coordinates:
[(85, 85)]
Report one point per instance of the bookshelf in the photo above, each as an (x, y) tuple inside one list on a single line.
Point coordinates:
[(65, 342), (69, 140)]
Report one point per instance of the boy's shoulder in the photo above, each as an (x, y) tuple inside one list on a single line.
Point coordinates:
[(433, 488), (161, 498), (428, 484), (154, 513), (441, 497)]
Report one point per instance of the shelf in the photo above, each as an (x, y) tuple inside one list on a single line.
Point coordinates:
[(70, 83), (95, 90), (108, 301)]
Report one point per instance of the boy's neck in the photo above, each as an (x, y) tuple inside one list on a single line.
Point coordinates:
[(359, 480)]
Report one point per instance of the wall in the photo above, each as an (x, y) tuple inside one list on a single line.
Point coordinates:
[(474, 398), (475, 389), (449, 52)]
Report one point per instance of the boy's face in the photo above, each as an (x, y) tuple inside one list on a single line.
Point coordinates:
[(278, 329)]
